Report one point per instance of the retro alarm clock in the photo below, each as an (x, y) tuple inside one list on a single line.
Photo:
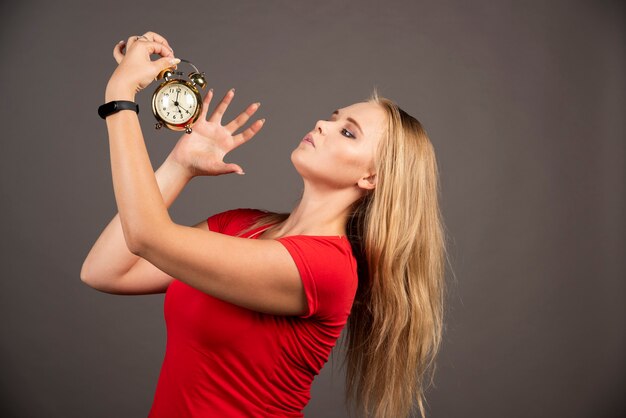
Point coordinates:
[(176, 102)]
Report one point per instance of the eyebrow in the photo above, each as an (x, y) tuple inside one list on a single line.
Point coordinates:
[(336, 112)]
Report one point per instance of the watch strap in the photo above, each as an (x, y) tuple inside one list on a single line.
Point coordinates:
[(115, 106)]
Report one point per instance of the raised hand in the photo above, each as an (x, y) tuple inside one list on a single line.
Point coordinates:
[(202, 151), (136, 70)]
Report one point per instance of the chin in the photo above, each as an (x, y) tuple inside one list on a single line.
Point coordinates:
[(320, 176), (306, 167), (297, 162)]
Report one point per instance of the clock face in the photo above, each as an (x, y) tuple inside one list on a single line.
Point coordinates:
[(176, 103)]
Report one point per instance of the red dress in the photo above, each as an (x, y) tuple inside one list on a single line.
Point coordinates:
[(223, 360)]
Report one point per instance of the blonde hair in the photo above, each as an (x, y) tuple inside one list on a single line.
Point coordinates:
[(395, 327), (394, 330)]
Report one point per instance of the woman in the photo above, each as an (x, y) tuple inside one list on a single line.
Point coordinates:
[(255, 301)]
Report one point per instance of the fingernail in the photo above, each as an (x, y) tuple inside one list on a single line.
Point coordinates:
[(258, 104), (211, 89), (121, 42), (241, 173), (175, 60), (233, 89), (263, 120)]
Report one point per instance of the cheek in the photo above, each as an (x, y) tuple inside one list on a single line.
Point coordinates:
[(337, 166), (352, 159)]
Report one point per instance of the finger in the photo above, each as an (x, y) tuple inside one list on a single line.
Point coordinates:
[(249, 133), (130, 41), (166, 62), (233, 168), (217, 114), (153, 46), (243, 117), (157, 48), (155, 37), (117, 51), (205, 104)]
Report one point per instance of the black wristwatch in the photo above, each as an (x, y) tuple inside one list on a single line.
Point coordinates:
[(115, 106)]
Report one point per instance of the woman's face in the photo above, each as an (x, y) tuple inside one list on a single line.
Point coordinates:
[(339, 152)]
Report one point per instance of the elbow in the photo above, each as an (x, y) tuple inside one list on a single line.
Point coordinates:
[(134, 240), (89, 282), (141, 240), (135, 245), (139, 237), (84, 276), (101, 284), (87, 278)]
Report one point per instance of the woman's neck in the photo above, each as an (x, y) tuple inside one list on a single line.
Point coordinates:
[(317, 213)]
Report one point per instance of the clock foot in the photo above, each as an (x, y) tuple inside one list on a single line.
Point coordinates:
[(158, 125), (188, 129)]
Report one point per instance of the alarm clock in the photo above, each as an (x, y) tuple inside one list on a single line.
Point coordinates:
[(177, 103)]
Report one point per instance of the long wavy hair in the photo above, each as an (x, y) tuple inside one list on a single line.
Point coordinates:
[(395, 327)]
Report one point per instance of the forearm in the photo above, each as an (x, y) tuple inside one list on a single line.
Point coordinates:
[(110, 258), (139, 201)]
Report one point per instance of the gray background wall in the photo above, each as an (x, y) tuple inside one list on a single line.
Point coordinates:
[(523, 101)]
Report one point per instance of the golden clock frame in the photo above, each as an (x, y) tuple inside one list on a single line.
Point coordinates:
[(185, 126), (197, 79)]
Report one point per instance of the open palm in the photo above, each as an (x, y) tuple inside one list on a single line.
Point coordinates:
[(202, 151)]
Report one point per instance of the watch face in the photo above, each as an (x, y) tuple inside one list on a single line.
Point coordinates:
[(176, 103)]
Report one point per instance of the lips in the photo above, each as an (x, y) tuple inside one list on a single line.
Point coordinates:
[(309, 138)]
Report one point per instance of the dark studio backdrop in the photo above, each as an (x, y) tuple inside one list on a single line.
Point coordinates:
[(523, 101)]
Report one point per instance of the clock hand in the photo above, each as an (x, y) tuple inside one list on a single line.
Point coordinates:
[(181, 113), (186, 110)]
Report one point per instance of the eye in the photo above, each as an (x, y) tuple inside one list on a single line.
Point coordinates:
[(350, 134)]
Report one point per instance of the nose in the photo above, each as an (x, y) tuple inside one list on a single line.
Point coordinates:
[(319, 125)]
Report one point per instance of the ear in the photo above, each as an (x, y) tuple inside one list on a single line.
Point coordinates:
[(367, 183)]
